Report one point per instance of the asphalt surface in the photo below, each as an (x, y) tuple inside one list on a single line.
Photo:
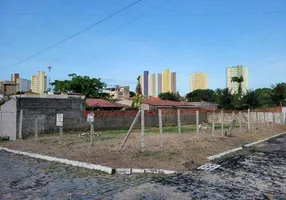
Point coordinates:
[(251, 175)]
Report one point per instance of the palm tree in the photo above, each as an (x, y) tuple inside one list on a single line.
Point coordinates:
[(251, 99), (238, 80), (225, 98)]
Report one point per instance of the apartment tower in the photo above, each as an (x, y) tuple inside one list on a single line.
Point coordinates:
[(237, 71), (160, 83), (198, 81), (39, 83), (152, 85)]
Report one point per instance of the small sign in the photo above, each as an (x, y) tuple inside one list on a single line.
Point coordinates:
[(90, 118), (60, 119)]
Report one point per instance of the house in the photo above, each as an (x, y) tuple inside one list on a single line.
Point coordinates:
[(101, 104), (152, 103)]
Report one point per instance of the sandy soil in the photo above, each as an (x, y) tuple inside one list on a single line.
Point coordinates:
[(174, 155)]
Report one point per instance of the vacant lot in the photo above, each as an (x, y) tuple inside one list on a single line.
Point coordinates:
[(174, 155)]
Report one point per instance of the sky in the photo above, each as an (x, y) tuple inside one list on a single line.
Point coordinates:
[(185, 36)]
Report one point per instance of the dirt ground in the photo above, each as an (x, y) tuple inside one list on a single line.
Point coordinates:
[(174, 155)]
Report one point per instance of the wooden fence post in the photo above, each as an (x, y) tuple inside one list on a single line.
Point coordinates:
[(179, 124), (36, 129), (248, 120), (142, 147), (222, 121), (130, 129), (20, 136), (91, 134), (197, 123), (161, 128), (213, 124), (240, 122)]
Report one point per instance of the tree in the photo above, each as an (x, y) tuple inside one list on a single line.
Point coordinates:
[(251, 99), (138, 98), (90, 87), (132, 94), (225, 98), (239, 81), (172, 96), (278, 94), (201, 95), (264, 95)]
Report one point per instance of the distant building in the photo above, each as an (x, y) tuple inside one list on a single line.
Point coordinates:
[(160, 83), (39, 83), (24, 85), (118, 92), (15, 77), (236, 71), (152, 84), (172, 82), (145, 83), (198, 81), (8, 87), (166, 78)]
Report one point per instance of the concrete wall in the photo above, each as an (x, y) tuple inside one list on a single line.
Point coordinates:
[(279, 118), (123, 119), (8, 120), (44, 111)]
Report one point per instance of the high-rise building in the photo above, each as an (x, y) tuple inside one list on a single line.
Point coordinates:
[(198, 81), (24, 85), (39, 82), (145, 83), (172, 82), (166, 78), (152, 85), (160, 83), (237, 71), (15, 77)]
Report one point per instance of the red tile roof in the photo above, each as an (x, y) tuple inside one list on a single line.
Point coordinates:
[(159, 102), (101, 103)]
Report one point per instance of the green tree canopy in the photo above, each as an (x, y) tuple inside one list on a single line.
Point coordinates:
[(90, 87), (172, 96), (225, 98), (251, 99), (201, 95), (278, 94), (264, 95), (138, 98)]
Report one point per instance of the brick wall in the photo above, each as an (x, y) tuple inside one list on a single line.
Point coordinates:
[(124, 118)]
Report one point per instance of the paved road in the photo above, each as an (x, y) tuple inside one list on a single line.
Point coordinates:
[(248, 176)]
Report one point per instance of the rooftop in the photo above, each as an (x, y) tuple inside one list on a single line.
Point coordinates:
[(101, 103)]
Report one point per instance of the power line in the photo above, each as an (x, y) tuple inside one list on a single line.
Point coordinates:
[(167, 15), (78, 33), (124, 25)]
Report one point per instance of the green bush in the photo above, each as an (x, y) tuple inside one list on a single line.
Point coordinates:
[(4, 138)]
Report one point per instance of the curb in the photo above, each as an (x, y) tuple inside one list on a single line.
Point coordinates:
[(108, 170), (143, 171), (102, 168), (240, 148)]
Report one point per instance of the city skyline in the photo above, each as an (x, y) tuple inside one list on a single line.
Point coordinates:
[(257, 40)]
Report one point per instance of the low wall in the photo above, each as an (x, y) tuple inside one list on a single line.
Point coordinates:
[(124, 118), (275, 117), (46, 121)]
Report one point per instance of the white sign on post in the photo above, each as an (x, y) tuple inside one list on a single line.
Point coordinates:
[(60, 119), (90, 118)]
